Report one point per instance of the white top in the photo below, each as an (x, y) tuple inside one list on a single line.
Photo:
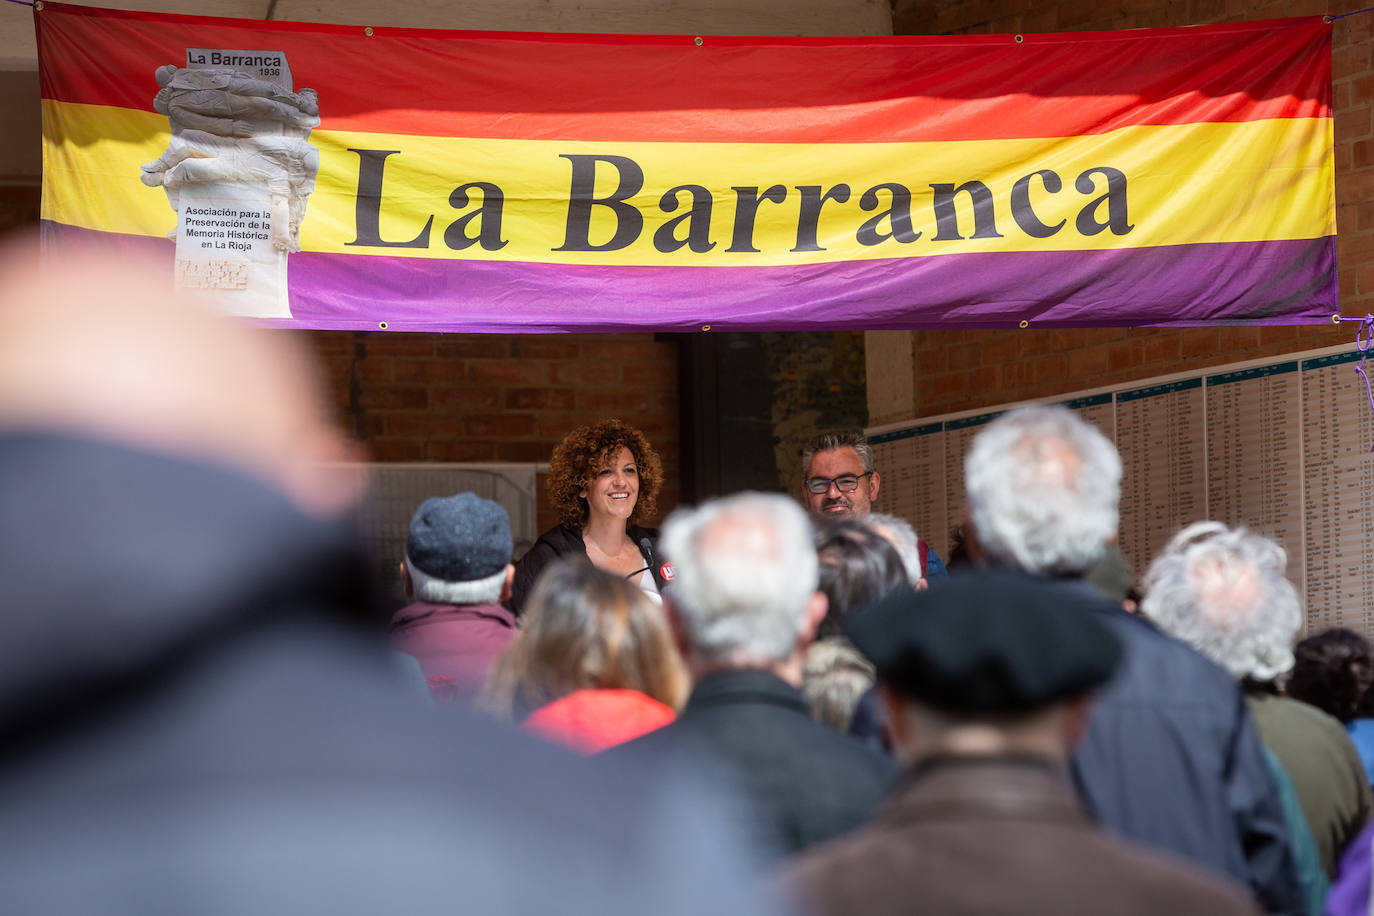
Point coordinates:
[(649, 587)]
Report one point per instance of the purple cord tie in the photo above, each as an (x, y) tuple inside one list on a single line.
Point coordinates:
[(1363, 337)]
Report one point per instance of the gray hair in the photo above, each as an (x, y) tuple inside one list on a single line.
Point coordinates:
[(836, 678), (746, 568), (899, 533), (1043, 488), (1223, 592), (827, 442), (438, 591)]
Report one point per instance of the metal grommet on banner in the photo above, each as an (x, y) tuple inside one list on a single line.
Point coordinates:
[(1336, 318), (1019, 38), (368, 31), (1024, 324), (698, 41), (381, 325), (1327, 19), (38, 5), (706, 327)]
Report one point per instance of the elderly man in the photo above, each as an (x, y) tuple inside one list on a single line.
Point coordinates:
[(839, 481), (458, 569), (1223, 591), (1171, 757), (745, 606), (987, 677)]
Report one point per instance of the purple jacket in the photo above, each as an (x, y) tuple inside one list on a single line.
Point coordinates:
[(456, 645), (1349, 895)]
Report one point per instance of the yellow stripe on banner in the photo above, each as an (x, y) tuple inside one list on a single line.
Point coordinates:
[(91, 158), (1132, 188)]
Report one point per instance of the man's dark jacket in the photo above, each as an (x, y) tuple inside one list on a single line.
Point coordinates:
[(1172, 759), (804, 782)]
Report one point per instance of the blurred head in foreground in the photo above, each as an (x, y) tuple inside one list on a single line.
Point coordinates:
[(168, 461), (594, 664), (177, 694), (100, 345), (988, 663)]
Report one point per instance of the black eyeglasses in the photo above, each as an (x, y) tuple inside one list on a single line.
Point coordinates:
[(845, 483)]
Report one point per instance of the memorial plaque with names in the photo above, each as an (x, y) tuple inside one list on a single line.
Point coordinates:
[(1254, 453), (958, 435), (912, 464), (1160, 433), (1338, 478), (1282, 447), (1097, 409)]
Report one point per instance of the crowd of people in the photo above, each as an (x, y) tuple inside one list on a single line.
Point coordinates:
[(892, 731), (777, 704)]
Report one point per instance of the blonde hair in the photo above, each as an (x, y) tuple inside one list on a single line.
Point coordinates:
[(585, 629)]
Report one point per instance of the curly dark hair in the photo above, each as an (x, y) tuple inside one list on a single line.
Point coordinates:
[(1333, 671), (582, 453)]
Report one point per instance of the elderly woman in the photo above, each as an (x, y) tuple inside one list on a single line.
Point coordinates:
[(1223, 591), (594, 665), (602, 479)]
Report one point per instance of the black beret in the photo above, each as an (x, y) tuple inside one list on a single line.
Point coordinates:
[(459, 538), (988, 641)]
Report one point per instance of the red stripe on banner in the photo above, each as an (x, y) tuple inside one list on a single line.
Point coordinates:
[(657, 88)]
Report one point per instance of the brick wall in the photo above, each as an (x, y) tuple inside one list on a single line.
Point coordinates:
[(19, 207), (958, 370), (478, 398)]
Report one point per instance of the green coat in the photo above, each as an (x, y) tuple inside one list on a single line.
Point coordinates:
[(1325, 768)]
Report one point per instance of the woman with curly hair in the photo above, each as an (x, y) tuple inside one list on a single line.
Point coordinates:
[(603, 479)]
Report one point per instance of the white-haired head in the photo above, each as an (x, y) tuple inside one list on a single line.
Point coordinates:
[(1223, 592), (746, 570), (899, 533), (434, 590), (1042, 489)]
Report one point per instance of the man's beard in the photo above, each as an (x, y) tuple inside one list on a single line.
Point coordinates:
[(841, 501)]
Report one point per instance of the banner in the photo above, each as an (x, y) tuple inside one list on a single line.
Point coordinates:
[(349, 177)]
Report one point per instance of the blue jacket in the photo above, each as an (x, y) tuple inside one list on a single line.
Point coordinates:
[(1172, 759)]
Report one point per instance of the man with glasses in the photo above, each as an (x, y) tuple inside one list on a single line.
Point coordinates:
[(840, 482)]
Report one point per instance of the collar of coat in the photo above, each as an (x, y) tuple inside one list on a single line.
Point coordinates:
[(745, 685), (962, 787)]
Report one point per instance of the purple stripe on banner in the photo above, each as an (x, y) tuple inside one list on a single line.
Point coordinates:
[(1281, 282)]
